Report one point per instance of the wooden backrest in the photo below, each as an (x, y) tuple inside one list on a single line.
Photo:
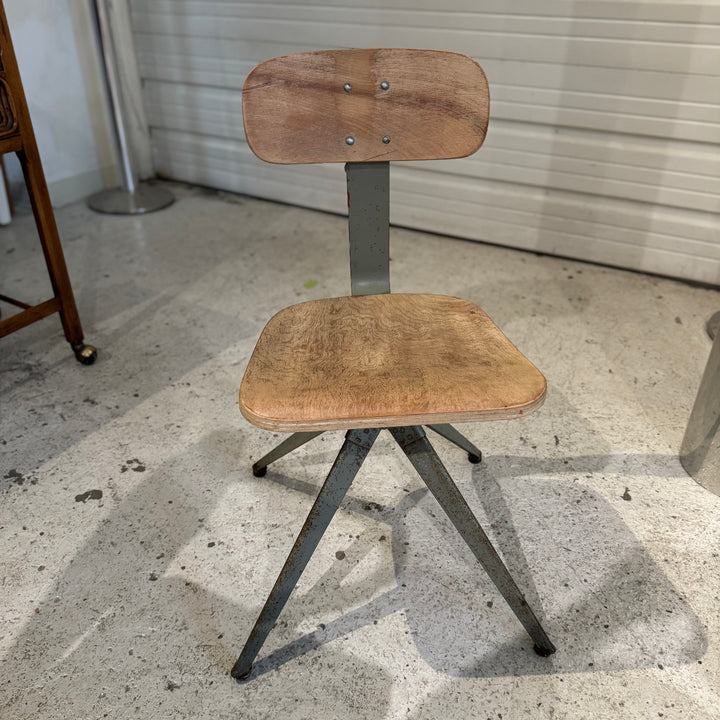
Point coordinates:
[(365, 105)]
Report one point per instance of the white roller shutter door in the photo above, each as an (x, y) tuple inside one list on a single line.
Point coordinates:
[(604, 139)]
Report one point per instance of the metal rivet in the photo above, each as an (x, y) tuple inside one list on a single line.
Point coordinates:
[(347, 87), (385, 85), (349, 140), (386, 139)]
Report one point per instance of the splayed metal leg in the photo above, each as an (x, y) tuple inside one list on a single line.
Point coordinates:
[(415, 445), (457, 438), (352, 454), (295, 441)]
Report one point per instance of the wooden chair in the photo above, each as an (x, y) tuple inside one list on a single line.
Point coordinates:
[(16, 135), (375, 360)]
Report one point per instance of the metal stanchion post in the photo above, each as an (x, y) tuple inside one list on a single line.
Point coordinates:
[(132, 198)]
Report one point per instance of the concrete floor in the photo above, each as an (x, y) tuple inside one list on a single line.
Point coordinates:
[(138, 547)]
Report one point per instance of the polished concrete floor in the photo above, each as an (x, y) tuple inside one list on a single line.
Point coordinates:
[(138, 548)]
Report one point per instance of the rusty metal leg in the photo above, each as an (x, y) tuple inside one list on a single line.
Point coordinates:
[(291, 443), (457, 438), (351, 456), (416, 446)]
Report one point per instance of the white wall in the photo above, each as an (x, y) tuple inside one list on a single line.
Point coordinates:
[(55, 45)]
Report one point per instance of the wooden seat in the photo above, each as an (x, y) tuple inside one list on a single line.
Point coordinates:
[(375, 360), (385, 361)]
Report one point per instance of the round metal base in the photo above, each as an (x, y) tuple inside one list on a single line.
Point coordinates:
[(145, 199)]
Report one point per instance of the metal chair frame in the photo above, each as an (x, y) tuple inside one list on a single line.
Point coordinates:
[(368, 217)]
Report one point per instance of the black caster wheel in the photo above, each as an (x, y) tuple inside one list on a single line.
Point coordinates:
[(85, 354), (259, 472), (474, 459), (543, 652)]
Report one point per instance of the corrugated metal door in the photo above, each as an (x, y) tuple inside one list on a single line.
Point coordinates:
[(605, 117)]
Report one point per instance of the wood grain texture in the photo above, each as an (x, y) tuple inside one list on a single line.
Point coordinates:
[(17, 135), (385, 361), (295, 108)]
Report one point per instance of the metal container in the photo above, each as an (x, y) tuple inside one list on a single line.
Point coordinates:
[(700, 449)]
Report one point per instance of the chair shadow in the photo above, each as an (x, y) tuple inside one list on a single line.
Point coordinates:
[(122, 628), (601, 597), (124, 614)]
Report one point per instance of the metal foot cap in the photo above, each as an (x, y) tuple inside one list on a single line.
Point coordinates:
[(259, 472), (543, 651), (474, 459), (240, 676)]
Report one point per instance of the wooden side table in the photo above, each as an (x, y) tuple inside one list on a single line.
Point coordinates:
[(16, 135)]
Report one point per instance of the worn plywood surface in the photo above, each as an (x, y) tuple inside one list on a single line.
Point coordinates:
[(364, 105), (385, 360)]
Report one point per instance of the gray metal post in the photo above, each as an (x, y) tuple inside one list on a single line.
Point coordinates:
[(368, 185), (131, 198)]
